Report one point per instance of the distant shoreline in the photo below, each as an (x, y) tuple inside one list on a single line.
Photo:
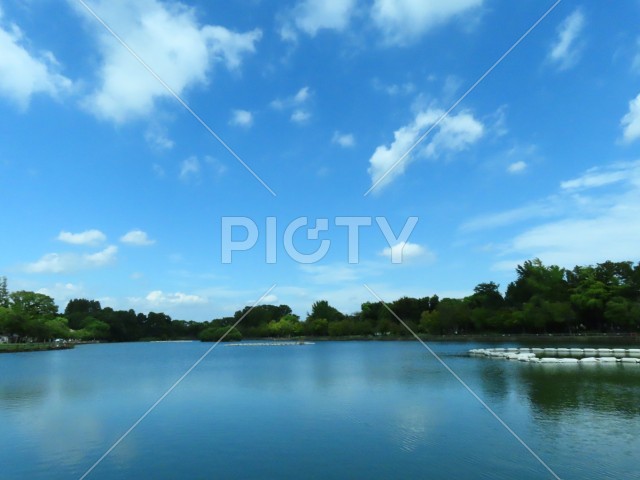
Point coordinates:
[(33, 347), (529, 339)]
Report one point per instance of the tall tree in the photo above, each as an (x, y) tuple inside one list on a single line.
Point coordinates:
[(79, 309), (322, 309), (535, 279), (4, 293), (33, 305)]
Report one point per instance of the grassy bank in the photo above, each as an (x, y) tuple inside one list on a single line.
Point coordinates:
[(33, 347)]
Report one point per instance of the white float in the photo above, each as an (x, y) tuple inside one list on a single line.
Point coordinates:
[(567, 356)]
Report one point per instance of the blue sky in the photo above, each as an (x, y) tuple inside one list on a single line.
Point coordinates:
[(111, 190)]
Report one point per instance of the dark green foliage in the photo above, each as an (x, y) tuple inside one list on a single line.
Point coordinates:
[(214, 334), (542, 299)]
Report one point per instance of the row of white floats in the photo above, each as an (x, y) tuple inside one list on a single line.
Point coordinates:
[(562, 355)]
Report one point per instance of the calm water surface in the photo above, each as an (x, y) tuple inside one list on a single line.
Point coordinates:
[(332, 410)]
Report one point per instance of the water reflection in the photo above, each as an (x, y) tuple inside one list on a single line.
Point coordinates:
[(376, 410), (613, 389)]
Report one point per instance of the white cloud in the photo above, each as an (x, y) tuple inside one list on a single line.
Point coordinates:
[(189, 168), (455, 133), (594, 178), (168, 37), (195, 169), (25, 73), (241, 118), (158, 139), (158, 298), (302, 96), (62, 292), (394, 89), (517, 167), (566, 49), (294, 101), (595, 225), (345, 140), (69, 262), (311, 16), (270, 299), (332, 273), (404, 21), (137, 237), (300, 116), (215, 166), (631, 121), (404, 252), (89, 237), (546, 208)]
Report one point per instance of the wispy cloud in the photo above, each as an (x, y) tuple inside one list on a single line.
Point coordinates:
[(89, 237), (596, 218), (189, 168), (137, 237), (70, 262), (311, 16), (567, 47), (517, 167), (332, 273), (404, 21), (300, 116), (394, 89), (455, 133), (158, 139), (631, 122), (241, 118), (345, 140), (297, 104)]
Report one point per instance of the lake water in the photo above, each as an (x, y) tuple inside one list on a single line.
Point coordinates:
[(333, 410)]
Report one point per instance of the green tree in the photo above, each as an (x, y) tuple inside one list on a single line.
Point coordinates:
[(4, 293), (548, 283), (322, 309), (623, 313), (6, 321), (486, 295), (430, 323), (287, 326), (318, 327), (79, 309), (215, 333), (57, 328), (589, 298), (33, 305), (94, 330), (454, 315)]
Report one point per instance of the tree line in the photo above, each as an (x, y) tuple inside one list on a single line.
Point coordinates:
[(542, 299)]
